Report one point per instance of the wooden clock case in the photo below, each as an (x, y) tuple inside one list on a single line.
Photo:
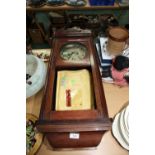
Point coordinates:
[(88, 126)]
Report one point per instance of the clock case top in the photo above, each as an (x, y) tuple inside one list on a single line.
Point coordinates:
[(97, 119)]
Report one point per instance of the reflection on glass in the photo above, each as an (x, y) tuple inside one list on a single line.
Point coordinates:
[(73, 51)]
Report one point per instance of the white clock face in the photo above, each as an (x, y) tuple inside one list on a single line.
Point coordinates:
[(73, 51)]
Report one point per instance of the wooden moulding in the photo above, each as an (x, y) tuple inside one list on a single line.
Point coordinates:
[(90, 125)]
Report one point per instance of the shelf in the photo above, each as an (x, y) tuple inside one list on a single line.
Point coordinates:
[(66, 7)]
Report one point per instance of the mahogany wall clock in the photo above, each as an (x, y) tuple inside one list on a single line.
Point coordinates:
[(74, 111)]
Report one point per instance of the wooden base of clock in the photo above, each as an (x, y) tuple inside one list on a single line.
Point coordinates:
[(73, 128), (74, 140)]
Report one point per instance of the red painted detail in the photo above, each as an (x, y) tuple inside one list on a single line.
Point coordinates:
[(68, 97)]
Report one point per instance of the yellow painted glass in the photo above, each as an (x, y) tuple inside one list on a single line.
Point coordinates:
[(74, 90)]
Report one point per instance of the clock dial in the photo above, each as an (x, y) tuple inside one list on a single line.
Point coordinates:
[(73, 51)]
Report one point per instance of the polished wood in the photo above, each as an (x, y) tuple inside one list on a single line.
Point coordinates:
[(74, 125), (86, 139), (116, 97), (55, 123)]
